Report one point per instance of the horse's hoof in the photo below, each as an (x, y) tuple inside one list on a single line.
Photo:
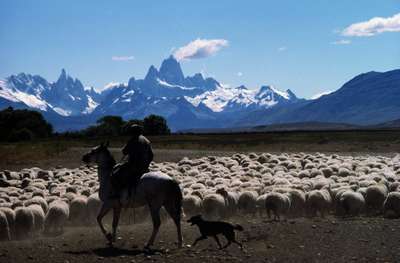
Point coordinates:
[(109, 237)]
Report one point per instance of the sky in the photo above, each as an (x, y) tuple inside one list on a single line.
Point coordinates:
[(310, 47)]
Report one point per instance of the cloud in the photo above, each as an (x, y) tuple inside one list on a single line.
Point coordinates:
[(240, 74), (122, 58), (281, 49), (200, 48), (341, 42), (317, 96), (373, 26)]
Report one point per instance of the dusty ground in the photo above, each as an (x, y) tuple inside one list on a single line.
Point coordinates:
[(300, 240)]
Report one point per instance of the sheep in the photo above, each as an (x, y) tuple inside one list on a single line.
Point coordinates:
[(191, 205), (93, 206), (24, 222), (351, 203), (39, 217), (39, 201), (278, 203), (56, 217), (247, 201), (78, 210), (231, 201), (214, 206), (10, 214), (318, 201), (375, 196), (391, 206), (4, 228), (260, 204), (297, 202)]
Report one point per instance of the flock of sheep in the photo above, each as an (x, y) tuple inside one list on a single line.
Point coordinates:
[(35, 201)]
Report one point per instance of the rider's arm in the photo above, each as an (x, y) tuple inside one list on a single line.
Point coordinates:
[(151, 155), (125, 150)]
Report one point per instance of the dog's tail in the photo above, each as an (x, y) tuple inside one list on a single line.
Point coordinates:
[(238, 227)]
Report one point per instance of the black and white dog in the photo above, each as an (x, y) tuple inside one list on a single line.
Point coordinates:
[(213, 228)]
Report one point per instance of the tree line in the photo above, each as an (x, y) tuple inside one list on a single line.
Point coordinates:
[(22, 125)]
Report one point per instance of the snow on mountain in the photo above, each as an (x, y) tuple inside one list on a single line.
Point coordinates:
[(14, 95), (186, 102), (66, 96), (223, 98)]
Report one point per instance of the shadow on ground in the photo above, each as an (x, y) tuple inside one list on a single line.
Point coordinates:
[(107, 252)]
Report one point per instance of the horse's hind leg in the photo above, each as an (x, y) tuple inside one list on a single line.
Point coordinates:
[(175, 213), (116, 216), (155, 217), (103, 211)]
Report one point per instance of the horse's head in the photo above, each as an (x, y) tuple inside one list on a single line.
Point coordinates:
[(99, 155)]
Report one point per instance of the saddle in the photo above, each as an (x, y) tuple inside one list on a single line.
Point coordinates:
[(124, 177)]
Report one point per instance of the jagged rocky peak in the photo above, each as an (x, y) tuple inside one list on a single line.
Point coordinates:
[(33, 85), (241, 87), (291, 94), (171, 72), (152, 74)]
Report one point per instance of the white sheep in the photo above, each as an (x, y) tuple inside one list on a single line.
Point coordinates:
[(10, 214), (351, 203), (278, 203), (318, 201), (375, 196), (191, 205), (78, 210), (56, 217), (391, 206), (231, 201), (39, 217), (248, 201), (4, 228), (297, 202), (24, 222), (260, 203), (39, 201), (93, 206), (214, 206)]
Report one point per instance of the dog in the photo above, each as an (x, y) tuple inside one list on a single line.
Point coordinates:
[(213, 228)]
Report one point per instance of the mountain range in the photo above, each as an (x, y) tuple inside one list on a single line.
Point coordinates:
[(195, 102)]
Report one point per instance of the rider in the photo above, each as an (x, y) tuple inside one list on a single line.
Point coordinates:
[(140, 155)]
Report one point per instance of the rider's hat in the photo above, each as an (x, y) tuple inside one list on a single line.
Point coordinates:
[(136, 129)]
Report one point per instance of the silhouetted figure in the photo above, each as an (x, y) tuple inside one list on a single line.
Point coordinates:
[(140, 155)]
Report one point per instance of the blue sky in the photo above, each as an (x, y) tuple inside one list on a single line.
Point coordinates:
[(289, 44)]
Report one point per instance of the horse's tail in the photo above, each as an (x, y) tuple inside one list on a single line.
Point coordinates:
[(175, 197)]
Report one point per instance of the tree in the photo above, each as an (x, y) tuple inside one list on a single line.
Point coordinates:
[(155, 125), (23, 125), (110, 125)]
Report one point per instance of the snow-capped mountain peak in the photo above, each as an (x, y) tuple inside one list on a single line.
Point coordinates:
[(165, 91), (239, 98)]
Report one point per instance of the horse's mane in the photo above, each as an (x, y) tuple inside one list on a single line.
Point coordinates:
[(111, 161)]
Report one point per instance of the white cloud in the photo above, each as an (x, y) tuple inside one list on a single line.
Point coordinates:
[(240, 74), (341, 42), (200, 48), (281, 49), (122, 58), (373, 26), (317, 96)]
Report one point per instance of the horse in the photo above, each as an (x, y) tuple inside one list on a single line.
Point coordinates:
[(154, 189)]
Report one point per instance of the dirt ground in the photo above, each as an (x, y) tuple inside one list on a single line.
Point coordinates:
[(298, 240)]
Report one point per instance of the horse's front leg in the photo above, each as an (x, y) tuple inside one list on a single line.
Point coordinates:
[(116, 216), (103, 211)]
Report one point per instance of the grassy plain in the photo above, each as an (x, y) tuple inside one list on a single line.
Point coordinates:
[(67, 152)]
